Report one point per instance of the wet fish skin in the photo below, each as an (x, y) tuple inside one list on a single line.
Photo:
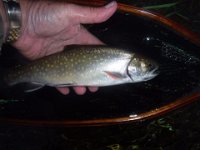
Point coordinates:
[(85, 66)]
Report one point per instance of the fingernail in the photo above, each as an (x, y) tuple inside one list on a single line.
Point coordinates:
[(110, 4)]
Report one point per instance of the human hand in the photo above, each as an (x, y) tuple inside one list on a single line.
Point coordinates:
[(48, 26)]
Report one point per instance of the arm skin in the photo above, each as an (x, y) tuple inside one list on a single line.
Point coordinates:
[(48, 26)]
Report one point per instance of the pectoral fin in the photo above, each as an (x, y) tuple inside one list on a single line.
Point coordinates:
[(115, 75)]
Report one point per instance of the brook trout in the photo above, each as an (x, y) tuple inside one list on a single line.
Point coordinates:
[(84, 66)]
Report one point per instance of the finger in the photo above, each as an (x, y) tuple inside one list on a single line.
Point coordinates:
[(80, 90), (64, 91), (87, 15), (93, 89)]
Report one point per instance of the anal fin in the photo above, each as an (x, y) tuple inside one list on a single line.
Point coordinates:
[(30, 87), (64, 85)]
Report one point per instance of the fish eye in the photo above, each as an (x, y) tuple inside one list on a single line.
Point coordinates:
[(143, 64)]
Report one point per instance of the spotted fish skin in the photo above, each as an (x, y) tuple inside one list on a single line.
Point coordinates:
[(77, 66)]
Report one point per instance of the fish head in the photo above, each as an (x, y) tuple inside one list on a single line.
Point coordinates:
[(142, 69)]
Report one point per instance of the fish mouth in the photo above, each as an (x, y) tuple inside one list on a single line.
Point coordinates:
[(145, 76), (152, 74), (155, 71)]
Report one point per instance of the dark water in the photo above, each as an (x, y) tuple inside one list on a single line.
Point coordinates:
[(178, 59)]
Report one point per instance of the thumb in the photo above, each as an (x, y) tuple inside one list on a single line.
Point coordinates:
[(87, 15)]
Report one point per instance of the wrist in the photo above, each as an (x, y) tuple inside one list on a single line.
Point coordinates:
[(4, 19), (11, 14)]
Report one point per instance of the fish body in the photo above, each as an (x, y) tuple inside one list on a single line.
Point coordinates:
[(85, 66)]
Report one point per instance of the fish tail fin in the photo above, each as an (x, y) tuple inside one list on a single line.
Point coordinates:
[(10, 60), (25, 87)]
